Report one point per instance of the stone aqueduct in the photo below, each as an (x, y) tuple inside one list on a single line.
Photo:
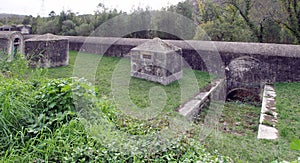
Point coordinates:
[(247, 65)]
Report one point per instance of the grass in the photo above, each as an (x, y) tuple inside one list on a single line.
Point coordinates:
[(138, 88), (288, 108), (46, 120), (237, 128), (239, 119), (37, 123), (237, 132)]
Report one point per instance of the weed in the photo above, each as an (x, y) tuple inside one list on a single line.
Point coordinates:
[(44, 120), (268, 123)]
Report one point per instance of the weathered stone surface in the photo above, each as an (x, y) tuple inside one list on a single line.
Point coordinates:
[(156, 61), (202, 95), (267, 132), (47, 50), (268, 114), (192, 108), (269, 118), (280, 62), (11, 42), (269, 88)]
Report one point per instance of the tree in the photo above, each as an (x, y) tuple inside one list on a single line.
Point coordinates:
[(285, 13), (27, 20), (288, 16), (184, 8), (224, 25), (48, 27), (244, 7), (84, 29), (68, 28), (256, 15), (102, 14)]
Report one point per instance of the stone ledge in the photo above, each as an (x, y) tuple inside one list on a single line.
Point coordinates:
[(191, 108), (268, 115)]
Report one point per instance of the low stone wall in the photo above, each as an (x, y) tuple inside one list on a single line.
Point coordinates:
[(279, 62), (268, 118), (194, 106)]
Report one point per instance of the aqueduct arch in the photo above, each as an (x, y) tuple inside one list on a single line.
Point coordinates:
[(244, 77)]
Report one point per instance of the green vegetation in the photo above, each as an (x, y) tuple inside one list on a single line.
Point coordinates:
[(62, 120), (236, 137), (239, 124), (222, 20), (288, 108), (138, 88), (55, 118)]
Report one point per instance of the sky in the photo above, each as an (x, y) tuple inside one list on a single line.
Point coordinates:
[(44, 7)]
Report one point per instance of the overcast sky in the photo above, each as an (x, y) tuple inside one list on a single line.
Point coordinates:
[(44, 7)]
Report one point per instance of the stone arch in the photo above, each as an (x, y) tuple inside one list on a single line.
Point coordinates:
[(11, 43), (16, 43), (244, 72), (244, 77), (16, 48)]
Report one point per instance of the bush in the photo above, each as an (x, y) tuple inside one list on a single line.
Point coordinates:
[(53, 120)]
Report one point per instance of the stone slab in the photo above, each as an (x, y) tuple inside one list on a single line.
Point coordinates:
[(266, 132)]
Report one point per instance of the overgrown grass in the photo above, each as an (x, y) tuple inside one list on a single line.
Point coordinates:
[(49, 120), (43, 120), (288, 109), (238, 125), (237, 133), (138, 88)]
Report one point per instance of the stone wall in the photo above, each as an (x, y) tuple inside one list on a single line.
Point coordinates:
[(11, 43), (279, 62), (47, 51), (4, 44)]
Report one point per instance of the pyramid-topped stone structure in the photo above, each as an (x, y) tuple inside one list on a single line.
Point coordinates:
[(47, 50), (47, 37), (156, 61)]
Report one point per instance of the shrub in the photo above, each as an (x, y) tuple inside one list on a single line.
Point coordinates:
[(52, 120)]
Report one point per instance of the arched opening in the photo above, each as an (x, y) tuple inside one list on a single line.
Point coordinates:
[(244, 95), (16, 48)]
